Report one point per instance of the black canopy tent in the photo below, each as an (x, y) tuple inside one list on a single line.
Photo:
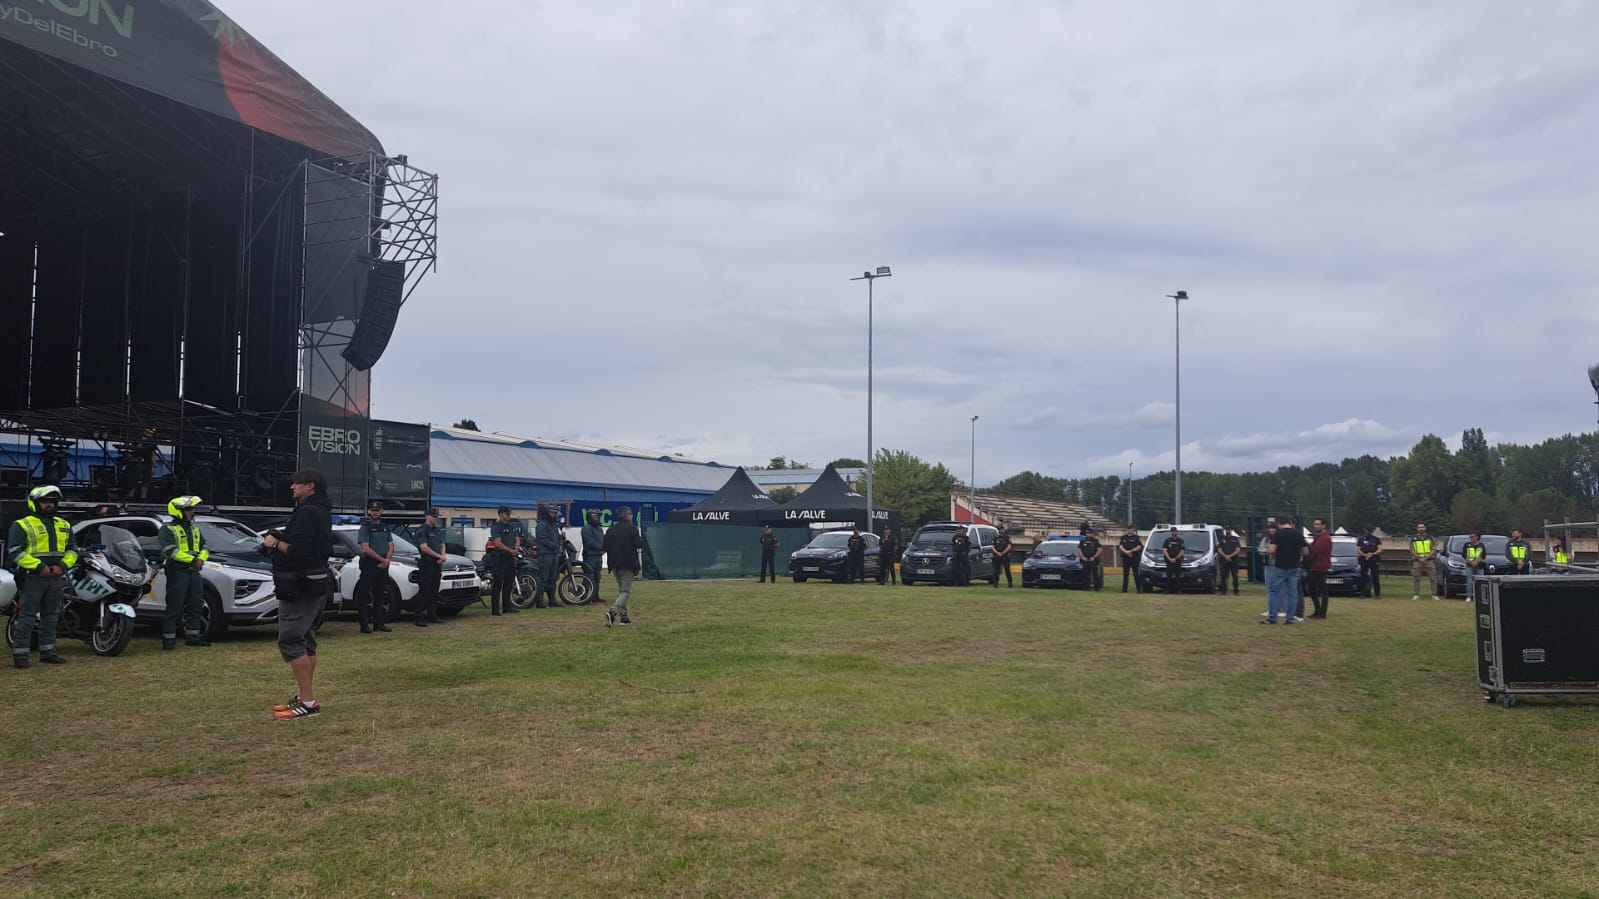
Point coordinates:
[(831, 500), (739, 502)]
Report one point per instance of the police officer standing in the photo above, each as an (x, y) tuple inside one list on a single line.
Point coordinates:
[(550, 543), (505, 541), (961, 546), (1002, 559), (1228, 549), (888, 558), (183, 546), (430, 542), (857, 558), (372, 590), (1128, 548), (1476, 555), (1420, 559), (41, 545), (1369, 549), (1172, 551), (1092, 556), (1519, 552), (769, 554), (593, 548)]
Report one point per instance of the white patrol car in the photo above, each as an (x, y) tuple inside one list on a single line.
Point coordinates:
[(459, 586), (8, 589), (238, 580)]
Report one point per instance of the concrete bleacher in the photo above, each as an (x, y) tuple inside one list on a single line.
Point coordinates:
[(1029, 518)]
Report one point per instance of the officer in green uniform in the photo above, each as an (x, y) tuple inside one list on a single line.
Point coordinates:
[(551, 543), (183, 546), (594, 550), (41, 545), (505, 542), (373, 588), (430, 570), (961, 546), (1519, 552)]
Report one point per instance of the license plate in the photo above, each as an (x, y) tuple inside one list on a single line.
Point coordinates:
[(924, 571), (1336, 580), (812, 568), (1049, 577)]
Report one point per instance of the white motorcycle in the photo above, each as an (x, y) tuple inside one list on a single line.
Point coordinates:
[(101, 591)]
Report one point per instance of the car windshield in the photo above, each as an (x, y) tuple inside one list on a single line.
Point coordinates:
[(942, 535), (1193, 541), (835, 540), (1343, 546), (228, 537), (1493, 546), (1057, 548)]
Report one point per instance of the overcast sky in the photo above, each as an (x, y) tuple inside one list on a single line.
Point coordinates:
[(1384, 212)]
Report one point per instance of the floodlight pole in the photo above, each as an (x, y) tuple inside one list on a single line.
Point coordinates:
[(1593, 381), (971, 486), (1177, 306), (869, 277), (1129, 493)]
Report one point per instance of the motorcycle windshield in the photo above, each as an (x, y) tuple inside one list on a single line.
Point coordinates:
[(122, 548)]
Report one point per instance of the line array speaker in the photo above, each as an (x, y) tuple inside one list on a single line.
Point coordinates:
[(385, 288)]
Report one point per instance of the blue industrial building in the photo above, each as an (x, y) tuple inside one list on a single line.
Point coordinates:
[(475, 473)]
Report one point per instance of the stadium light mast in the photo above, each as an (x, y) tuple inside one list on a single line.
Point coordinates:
[(971, 486), (1129, 494), (1177, 306), (1593, 380), (869, 277)]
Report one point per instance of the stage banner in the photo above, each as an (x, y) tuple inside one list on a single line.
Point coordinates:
[(191, 52), (401, 471)]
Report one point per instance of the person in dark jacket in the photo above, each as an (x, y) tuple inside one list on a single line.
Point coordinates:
[(856, 570), (373, 589), (1090, 552), (1321, 553), (505, 543), (960, 547), (430, 543), (622, 544), (594, 549), (769, 546), (1002, 559), (550, 542), (888, 558), (300, 575)]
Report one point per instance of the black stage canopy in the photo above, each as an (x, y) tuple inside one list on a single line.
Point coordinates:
[(738, 502), (830, 500), (183, 219)]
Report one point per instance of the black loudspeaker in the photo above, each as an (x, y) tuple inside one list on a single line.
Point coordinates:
[(385, 288), (1537, 634)]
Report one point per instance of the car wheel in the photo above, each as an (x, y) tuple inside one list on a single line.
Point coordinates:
[(213, 624), (448, 611), (799, 578), (906, 581)]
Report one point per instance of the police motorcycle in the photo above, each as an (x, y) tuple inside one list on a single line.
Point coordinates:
[(526, 590), (100, 594), (573, 584)]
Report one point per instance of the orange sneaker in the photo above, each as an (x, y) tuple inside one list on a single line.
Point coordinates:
[(297, 709)]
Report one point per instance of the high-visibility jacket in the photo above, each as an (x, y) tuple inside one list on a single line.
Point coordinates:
[(1475, 553), (1561, 558), (33, 538), (1518, 550), (183, 543), (1421, 546)]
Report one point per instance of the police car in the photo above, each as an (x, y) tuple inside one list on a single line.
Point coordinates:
[(459, 586), (827, 556), (1199, 557), (1055, 563), (238, 580), (929, 554)]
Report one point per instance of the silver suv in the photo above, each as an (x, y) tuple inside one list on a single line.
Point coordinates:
[(238, 581)]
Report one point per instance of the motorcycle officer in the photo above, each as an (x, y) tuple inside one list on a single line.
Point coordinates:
[(183, 546), (593, 548), (549, 540), (41, 544)]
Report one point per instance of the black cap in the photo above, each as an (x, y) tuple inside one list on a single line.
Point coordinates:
[(376, 504), (624, 510), (433, 511), (503, 510)]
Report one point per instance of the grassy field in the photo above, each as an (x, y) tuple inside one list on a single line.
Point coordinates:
[(810, 740)]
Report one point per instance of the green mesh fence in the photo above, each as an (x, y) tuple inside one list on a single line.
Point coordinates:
[(688, 551)]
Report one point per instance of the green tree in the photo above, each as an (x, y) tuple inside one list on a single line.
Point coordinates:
[(1472, 510), (466, 424), (1477, 464), (918, 490), (1429, 474), (780, 463), (847, 462), (1530, 510), (781, 495), (1031, 483)]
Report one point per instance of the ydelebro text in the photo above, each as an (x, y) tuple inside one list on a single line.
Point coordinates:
[(42, 15)]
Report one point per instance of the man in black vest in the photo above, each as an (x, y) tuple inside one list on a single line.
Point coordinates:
[(1369, 549), (769, 546), (857, 558), (1091, 554), (1129, 548), (1002, 559), (1172, 553), (1228, 549), (430, 543), (961, 546), (888, 558)]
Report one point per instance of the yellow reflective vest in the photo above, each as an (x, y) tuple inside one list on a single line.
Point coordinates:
[(1422, 546), (40, 538), (183, 543)]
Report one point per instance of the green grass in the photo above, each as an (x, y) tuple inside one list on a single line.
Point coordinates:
[(807, 740)]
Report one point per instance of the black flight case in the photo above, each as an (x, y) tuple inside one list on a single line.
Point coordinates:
[(1537, 634)]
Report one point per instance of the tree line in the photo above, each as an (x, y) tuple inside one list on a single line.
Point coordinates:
[(1477, 488)]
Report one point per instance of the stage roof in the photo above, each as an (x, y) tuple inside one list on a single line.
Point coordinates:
[(106, 104)]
